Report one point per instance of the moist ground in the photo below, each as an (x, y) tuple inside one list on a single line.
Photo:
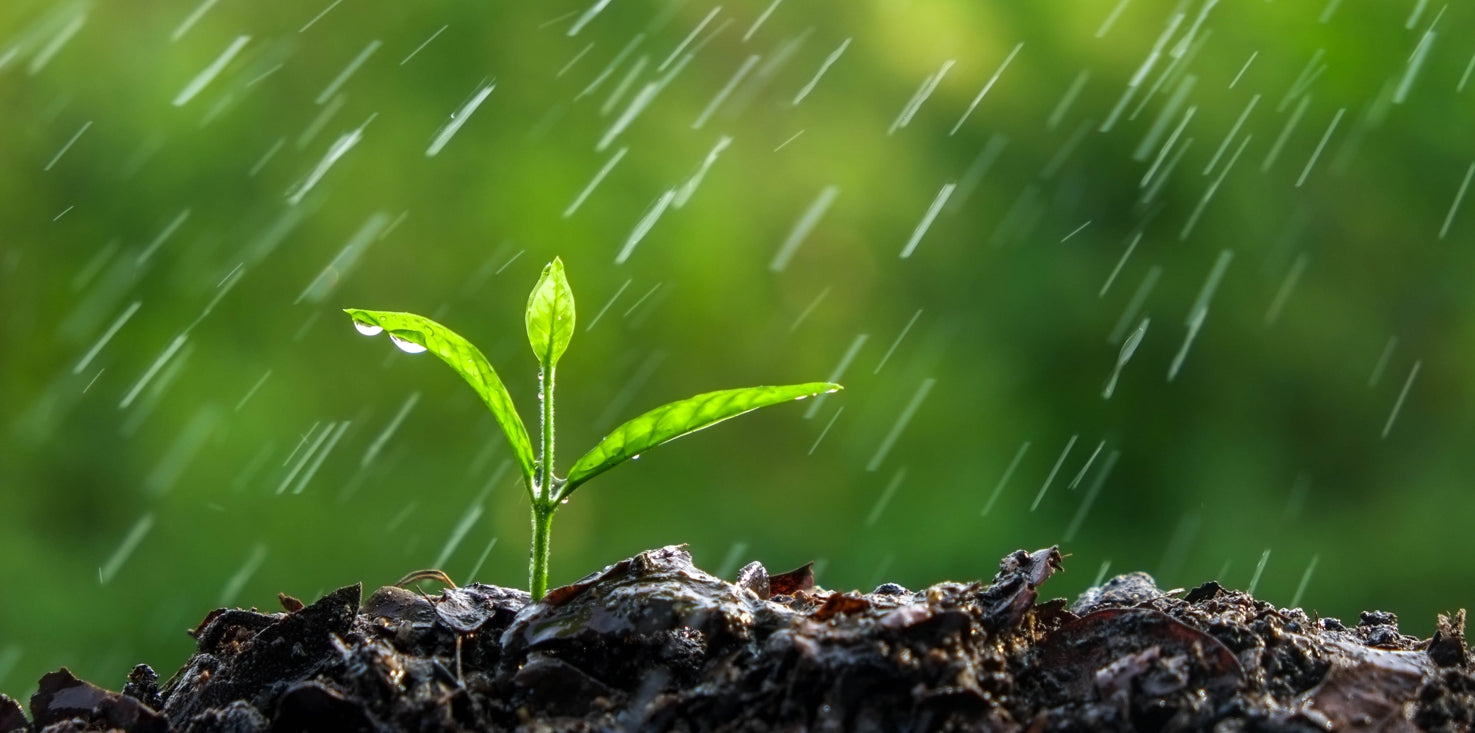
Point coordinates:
[(653, 643)]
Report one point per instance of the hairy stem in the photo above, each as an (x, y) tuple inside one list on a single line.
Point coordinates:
[(538, 564)]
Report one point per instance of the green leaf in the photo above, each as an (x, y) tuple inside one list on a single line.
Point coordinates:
[(669, 422), (550, 316), (415, 334)]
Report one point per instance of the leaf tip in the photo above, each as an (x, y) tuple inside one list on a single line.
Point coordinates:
[(364, 322)]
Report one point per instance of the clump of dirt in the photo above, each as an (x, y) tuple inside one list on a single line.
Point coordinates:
[(653, 643)]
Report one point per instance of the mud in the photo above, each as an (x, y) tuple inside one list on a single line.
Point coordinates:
[(653, 643)]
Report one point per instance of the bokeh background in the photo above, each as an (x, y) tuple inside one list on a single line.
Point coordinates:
[(961, 210)]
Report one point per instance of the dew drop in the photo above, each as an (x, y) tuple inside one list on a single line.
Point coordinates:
[(407, 346), (368, 329)]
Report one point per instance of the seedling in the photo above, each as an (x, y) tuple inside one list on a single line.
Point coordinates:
[(550, 326)]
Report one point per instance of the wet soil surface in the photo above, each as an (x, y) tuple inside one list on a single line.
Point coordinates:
[(653, 643)]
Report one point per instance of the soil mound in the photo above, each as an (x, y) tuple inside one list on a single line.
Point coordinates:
[(653, 643)]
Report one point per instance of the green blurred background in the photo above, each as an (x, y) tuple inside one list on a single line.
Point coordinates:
[(187, 420)]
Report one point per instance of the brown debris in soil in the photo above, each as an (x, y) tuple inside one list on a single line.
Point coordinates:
[(653, 643)]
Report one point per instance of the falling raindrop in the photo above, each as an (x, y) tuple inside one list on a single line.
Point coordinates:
[(1176, 551), (599, 176), (1459, 196), (828, 62), (725, 91), (476, 569), (1305, 579), (1243, 69), (1124, 356), (921, 229), (999, 489), (1377, 375), (336, 151), (209, 73), (459, 118), (1051, 477), (130, 542), (1209, 192), (424, 44), (319, 16), (808, 309), (1082, 474), (1320, 146), (1259, 568), (900, 424), (1232, 132), (1286, 287), (762, 17), (153, 370), (643, 226), (885, 498), (838, 372), (68, 145), (327, 280), (106, 336), (459, 532), (1091, 493), (729, 564), (785, 143), (389, 430), (1297, 499), (1285, 133), (400, 516), (574, 60), (923, 92), (802, 228), (190, 20), (974, 104), (1069, 98), (1398, 405), (1100, 32), (237, 582), (826, 431)]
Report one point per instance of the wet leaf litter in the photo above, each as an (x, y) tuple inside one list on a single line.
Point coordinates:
[(654, 643)]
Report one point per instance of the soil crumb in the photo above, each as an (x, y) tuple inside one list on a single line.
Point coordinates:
[(654, 643)]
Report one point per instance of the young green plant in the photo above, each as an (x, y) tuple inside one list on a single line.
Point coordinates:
[(550, 326)]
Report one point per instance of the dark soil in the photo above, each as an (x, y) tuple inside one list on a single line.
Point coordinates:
[(653, 643)]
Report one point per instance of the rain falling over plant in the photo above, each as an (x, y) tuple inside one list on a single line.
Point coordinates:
[(1183, 286), (550, 326)]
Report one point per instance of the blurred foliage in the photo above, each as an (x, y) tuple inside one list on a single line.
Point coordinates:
[(177, 371)]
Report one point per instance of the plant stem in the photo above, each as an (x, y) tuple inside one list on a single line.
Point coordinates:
[(544, 501), (545, 466), (538, 565)]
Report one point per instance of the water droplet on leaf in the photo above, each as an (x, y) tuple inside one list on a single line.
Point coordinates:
[(406, 345), (368, 329)]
